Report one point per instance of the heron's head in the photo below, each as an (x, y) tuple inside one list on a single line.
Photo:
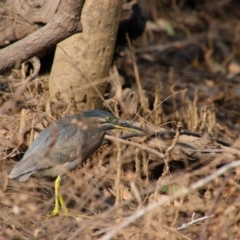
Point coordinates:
[(108, 121)]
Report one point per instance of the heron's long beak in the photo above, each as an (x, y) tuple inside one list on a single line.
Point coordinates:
[(126, 126)]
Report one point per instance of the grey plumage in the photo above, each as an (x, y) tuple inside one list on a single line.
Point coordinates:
[(64, 145)]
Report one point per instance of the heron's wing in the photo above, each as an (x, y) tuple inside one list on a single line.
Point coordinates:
[(44, 151)]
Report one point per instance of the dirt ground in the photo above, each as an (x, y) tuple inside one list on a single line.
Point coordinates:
[(182, 180)]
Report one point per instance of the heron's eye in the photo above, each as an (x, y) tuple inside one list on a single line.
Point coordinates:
[(108, 119)]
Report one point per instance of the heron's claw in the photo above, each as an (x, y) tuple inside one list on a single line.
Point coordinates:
[(52, 214)]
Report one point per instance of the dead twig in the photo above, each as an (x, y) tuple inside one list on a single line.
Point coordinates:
[(142, 147)]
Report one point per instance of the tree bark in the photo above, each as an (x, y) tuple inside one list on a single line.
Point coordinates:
[(20, 18), (65, 23), (85, 58)]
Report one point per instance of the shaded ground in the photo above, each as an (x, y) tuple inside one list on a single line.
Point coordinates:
[(188, 63)]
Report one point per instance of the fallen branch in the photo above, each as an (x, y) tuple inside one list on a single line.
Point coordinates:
[(65, 23)]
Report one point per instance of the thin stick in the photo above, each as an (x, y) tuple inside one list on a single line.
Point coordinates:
[(142, 147)]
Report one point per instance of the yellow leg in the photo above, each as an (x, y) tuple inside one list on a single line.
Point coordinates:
[(58, 200), (62, 203)]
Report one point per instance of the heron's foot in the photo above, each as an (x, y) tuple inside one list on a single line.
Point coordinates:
[(58, 200), (51, 214), (56, 211), (66, 214), (59, 203)]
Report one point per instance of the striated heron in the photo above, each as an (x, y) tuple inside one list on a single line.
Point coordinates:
[(64, 145)]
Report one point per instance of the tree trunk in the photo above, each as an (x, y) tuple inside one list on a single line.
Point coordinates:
[(83, 61)]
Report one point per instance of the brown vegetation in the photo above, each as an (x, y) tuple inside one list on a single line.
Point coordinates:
[(180, 81)]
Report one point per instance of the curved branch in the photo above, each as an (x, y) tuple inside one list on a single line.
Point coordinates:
[(65, 23)]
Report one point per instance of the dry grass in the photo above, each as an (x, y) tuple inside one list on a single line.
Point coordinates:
[(153, 187)]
